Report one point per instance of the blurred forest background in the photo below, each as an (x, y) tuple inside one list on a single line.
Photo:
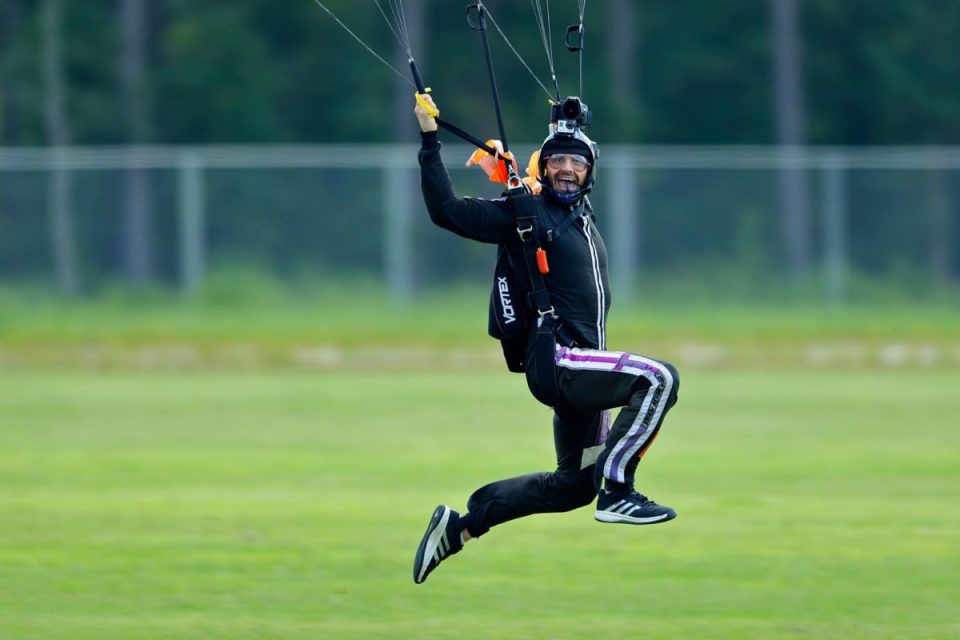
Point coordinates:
[(791, 74), (875, 72)]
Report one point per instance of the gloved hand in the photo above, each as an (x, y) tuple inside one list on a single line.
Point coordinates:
[(427, 121)]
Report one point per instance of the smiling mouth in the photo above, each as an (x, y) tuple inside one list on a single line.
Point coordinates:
[(565, 184)]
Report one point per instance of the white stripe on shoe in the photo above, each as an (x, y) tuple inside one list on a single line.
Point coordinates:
[(433, 542), (616, 506)]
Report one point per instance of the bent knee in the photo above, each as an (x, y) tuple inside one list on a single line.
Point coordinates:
[(675, 384), (672, 370), (572, 491)]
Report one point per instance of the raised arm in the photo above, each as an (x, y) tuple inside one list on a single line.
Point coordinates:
[(473, 218)]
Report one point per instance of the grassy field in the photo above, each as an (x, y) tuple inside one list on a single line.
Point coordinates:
[(445, 318), (161, 330), (286, 504)]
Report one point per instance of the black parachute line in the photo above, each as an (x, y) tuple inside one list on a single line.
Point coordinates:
[(397, 21), (481, 26), (573, 39), (520, 58), (397, 25), (365, 45), (582, 6), (546, 36)]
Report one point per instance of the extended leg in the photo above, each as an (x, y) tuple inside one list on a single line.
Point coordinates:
[(577, 438)]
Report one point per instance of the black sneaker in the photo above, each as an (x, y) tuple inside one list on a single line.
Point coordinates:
[(440, 541), (630, 507)]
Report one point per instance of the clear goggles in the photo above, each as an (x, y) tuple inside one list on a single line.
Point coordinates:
[(559, 161)]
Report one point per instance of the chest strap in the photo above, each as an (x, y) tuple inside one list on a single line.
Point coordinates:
[(541, 372)]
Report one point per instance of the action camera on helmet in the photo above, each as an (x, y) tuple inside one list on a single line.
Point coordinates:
[(570, 114)]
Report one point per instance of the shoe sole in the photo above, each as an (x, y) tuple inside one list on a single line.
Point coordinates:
[(619, 518), (430, 542)]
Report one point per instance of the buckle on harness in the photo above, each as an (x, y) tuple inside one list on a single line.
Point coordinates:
[(523, 233), (548, 312)]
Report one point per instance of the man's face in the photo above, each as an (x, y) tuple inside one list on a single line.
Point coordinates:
[(566, 172)]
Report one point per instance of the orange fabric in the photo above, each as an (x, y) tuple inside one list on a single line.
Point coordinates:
[(494, 166), (533, 173), (533, 167)]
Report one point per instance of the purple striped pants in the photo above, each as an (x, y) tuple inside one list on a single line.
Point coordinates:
[(593, 380)]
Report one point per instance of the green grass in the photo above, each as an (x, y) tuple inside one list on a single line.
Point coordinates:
[(288, 504), (249, 310), (270, 327)]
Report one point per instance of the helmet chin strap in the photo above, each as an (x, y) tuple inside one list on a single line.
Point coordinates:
[(566, 198)]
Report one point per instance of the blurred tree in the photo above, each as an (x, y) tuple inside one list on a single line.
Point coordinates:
[(706, 75), (941, 236), (248, 72), (61, 211), (883, 72), (906, 91), (11, 18), (10, 25), (135, 211), (622, 49), (403, 193), (218, 80), (794, 207)]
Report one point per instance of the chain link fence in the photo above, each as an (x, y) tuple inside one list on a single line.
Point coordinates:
[(709, 221)]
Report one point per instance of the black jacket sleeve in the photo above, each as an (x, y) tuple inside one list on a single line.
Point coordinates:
[(473, 218)]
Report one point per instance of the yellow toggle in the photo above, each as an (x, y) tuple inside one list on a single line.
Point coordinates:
[(431, 110)]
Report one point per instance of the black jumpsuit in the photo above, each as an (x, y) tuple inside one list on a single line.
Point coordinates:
[(590, 379)]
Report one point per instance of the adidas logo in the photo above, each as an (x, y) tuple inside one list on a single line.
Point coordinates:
[(623, 507)]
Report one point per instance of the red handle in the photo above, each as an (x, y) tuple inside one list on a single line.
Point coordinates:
[(542, 262)]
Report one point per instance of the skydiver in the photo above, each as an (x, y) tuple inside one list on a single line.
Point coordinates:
[(596, 461)]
